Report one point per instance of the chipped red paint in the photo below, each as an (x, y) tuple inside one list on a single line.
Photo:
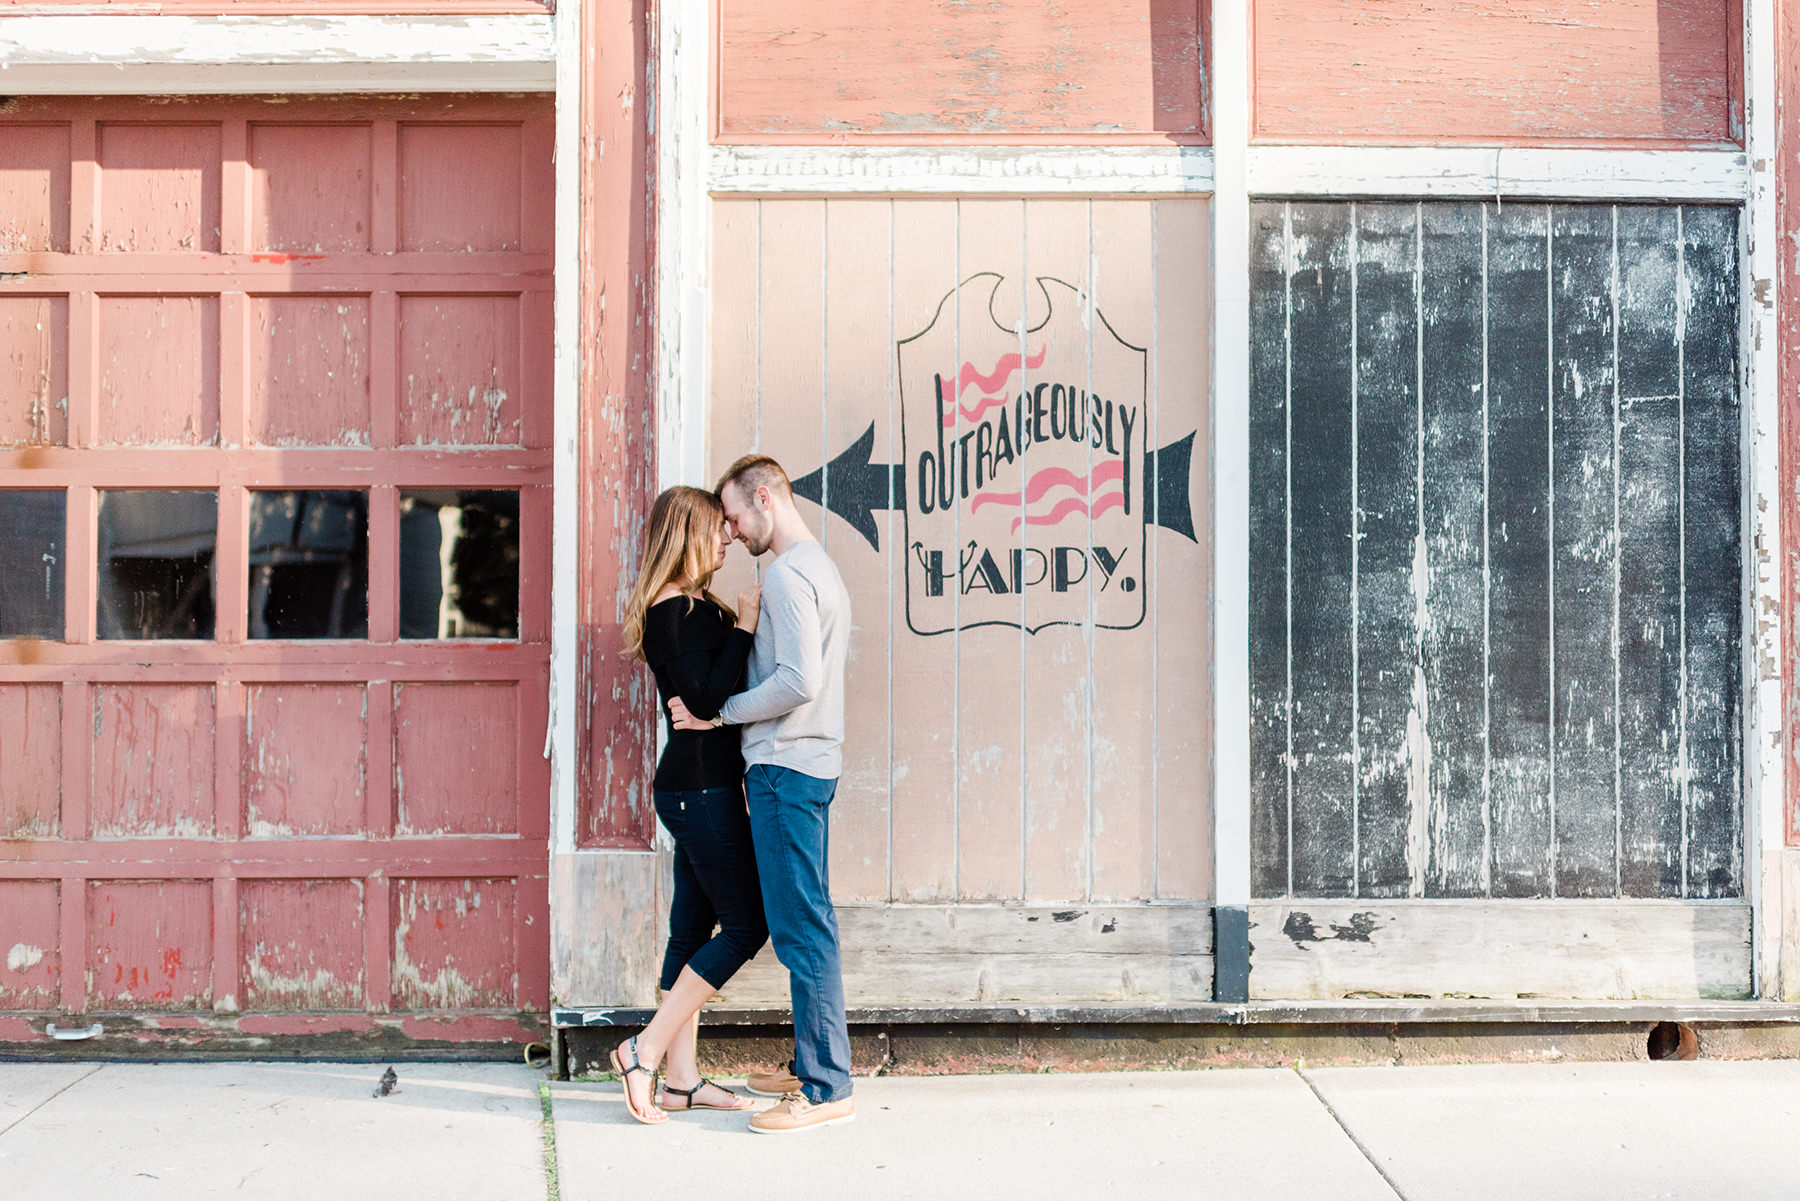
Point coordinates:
[(281, 259), (615, 731)]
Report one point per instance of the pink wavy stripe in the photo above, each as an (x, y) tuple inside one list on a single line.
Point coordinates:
[(1009, 363), (1053, 477), (1071, 504), (974, 414)]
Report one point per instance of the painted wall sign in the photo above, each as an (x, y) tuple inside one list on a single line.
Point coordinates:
[(1026, 486)]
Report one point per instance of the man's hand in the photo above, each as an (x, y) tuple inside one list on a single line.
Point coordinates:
[(683, 719)]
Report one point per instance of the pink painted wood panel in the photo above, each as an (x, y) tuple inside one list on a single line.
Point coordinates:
[(30, 760), (34, 370), (149, 944), (300, 944), (311, 187), (459, 371), (34, 188), (811, 69), (310, 360), (460, 187), (1028, 690), (305, 759), (456, 750), (1787, 324), (152, 761), (158, 371), (159, 187), (453, 944), (1531, 71), (30, 946), (1180, 571)]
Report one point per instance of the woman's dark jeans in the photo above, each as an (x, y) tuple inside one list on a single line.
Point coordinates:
[(715, 885)]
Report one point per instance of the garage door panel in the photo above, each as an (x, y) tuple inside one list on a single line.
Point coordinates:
[(444, 205), (305, 759), (34, 369), (152, 761), (149, 944), (456, 758), (30, 961), (311, 187), (459, 371), (300, 944), (159, 187), (159, 371), (34, 188), (30, 761), (310, 370), (453, 944)]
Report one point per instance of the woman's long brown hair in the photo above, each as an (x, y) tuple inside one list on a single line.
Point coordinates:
[(680, 545)]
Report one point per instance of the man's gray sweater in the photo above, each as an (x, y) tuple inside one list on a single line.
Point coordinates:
[(793, 711)]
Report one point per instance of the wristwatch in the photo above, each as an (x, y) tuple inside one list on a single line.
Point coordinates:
[(717, 722)]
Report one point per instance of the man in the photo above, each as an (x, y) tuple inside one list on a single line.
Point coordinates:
[(793, 719)]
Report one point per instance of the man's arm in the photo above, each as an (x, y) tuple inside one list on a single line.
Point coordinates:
[(791, 611)]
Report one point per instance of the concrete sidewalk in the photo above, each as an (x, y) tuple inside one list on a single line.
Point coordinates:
[(120, 1132)]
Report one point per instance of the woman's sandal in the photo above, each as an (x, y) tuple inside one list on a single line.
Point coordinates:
[(618, 1065), (690, 1103)]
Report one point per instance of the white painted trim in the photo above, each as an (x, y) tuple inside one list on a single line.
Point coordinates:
[(1487, 171), (1230, 409), (106, 54), (1765, 751), (961, 170), (565, 630), (684, 243)]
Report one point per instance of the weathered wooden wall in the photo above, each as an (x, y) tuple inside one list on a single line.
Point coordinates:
[(211, 299), (1057, 70), (1629, 72), (1495, 551), (1039, 743)]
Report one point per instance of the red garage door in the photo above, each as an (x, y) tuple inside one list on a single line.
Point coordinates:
[(274, 554)]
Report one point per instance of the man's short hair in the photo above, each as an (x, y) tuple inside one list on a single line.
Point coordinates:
[(756, 471)]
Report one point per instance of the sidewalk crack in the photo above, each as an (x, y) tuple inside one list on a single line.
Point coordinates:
[(1349, 1134), (53, 1096)]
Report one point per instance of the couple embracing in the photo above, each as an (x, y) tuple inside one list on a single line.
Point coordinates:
[(756, 710)]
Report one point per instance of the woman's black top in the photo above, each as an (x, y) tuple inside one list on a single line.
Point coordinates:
[(697, 652)]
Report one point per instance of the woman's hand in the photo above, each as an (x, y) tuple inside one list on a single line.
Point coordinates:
[(749, 608)]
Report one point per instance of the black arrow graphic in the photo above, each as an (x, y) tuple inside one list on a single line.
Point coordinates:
[(1166, 501), (859, 488)]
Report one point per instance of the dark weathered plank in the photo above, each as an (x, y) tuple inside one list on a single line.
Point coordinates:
[(1711, 527), (1452, 641), (1583, 484), (1390, 743), (1322, 530), (1649, 555), (1519, 549), (1268, 552)]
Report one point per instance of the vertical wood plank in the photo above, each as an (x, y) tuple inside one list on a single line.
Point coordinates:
[(1322, 521), (378, 943), (989, 658), (231, 559), (1124, 661), (924, 757), (1270, 354), (858, 347), (234, 187), (736, 336), (1453, 640), (1057, 695), (72, 936), (384, 564), (1585, 507), (379, 791), (228, 762), (1392, 754), (1181, 571), (84, 368), (1649, 554), (384, 371), (81, 565), (78, 724), (384, 205), (1711, 532), (1519, 548), (84, 198)]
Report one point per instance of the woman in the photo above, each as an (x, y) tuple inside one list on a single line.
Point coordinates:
[(697, 649)]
